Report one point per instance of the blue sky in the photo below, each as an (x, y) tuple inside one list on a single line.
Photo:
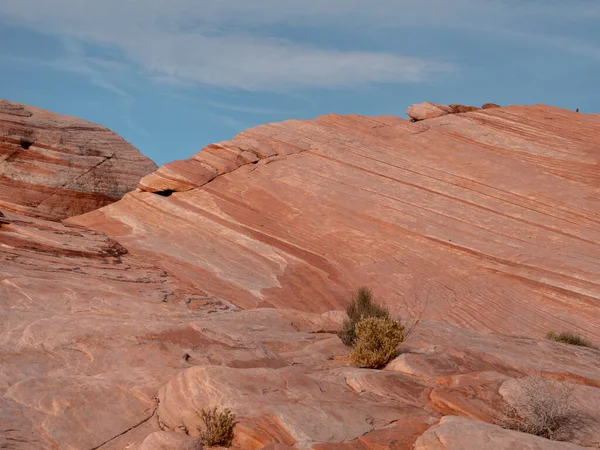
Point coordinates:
[(173, 76)]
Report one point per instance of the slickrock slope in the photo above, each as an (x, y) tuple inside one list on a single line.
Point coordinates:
[(487, 219), (54, 166), (100, 350)]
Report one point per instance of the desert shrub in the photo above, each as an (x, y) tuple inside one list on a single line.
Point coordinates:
[(377, 340), (569, 338), (218, 427), (542, 407), (361, 306)]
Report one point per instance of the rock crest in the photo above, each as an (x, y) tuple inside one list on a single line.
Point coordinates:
[(54, 166)]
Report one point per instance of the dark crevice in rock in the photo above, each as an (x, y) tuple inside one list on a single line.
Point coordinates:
[(26, 142), (3, 219), (165, 193)]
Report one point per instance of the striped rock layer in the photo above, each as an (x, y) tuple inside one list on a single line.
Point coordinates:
[(487, 220), (54, 166)]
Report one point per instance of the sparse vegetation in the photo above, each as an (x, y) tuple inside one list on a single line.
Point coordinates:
[(569, 338), (542, 407), (376, 342), (218, 427), (360, 307)]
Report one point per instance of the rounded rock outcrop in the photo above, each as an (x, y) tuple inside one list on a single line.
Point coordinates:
[(54, 166), (427, 110)]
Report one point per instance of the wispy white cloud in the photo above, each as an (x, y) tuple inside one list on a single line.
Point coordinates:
[(186, 41), (217, 43)]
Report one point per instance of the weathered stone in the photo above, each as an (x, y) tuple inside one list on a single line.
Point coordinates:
[(456, 433), (164, 440), (54, 166), (477, 219), (490, 106), (480, 223), (427, 110), (457, 109)]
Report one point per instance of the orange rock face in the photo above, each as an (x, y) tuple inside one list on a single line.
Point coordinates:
[(490, 106), (54, 166), (485, 220), (457, 109), (220, 283)]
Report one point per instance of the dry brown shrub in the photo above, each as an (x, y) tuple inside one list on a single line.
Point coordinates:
[(377, 341), (218, 427), (542, 407), (360, 307)]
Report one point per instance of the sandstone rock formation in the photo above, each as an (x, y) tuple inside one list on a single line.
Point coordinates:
[(457, 109), (220, 281), (455, 433), (54, 166), (165, 440), (485, 219), (427, 110), (490, 106)]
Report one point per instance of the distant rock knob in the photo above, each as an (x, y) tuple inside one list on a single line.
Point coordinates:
[(427, 110), (458, 109)]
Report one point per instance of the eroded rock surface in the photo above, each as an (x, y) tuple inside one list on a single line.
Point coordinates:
[(54, 166), (483, 223), (456, 433), (487, 220)]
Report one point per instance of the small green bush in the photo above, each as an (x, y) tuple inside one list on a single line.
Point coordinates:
[(360, 307), (377, 340), (569, 338), (218, 427)]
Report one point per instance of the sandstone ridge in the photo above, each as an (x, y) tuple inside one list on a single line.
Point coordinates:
[(429, 110), (485, 219), (54, 166), (121, 325)]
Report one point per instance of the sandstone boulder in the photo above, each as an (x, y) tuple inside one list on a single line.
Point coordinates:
[(457, 433), (490, 106), (427, 110), (54, 166)]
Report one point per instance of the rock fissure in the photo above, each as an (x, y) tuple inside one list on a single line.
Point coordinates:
[(127, 430)]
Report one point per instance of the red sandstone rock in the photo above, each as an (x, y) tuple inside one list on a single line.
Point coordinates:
[(457, 433), (490, 106), (427, 110), (490, 215), (3, 219), (164, 440), (457, 109), (54, 166), (435, 217)]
